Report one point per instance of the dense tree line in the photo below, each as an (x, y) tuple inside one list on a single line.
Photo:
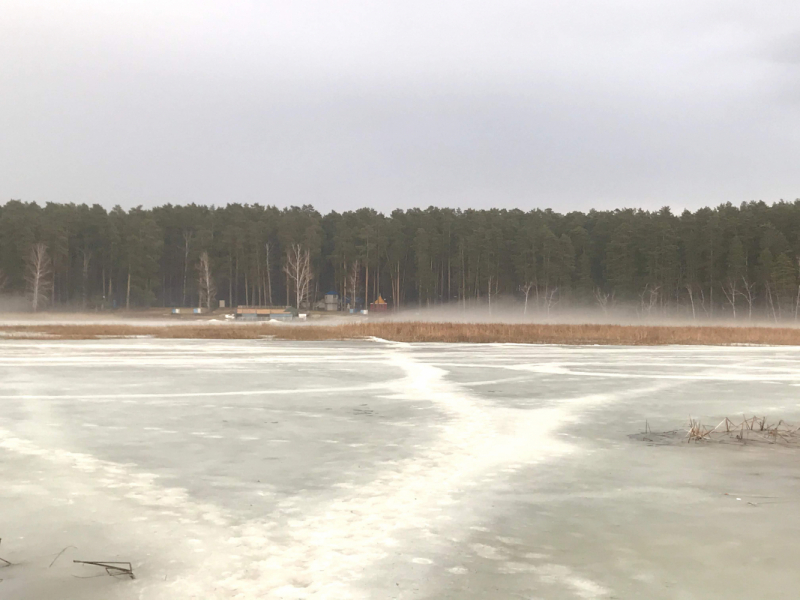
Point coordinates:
[(737, 261)]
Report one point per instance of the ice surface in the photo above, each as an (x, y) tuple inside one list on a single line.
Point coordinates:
[(264, 469)]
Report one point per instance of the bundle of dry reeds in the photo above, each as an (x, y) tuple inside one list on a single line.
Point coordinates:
[(753, 429)]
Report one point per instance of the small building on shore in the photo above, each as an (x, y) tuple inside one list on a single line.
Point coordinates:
[(379, 305), (259, 313), (331, 301)]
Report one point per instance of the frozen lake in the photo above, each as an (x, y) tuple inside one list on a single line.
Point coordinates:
[(262, 469)]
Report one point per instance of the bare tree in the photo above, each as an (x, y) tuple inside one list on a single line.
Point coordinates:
[(796, 301), (689, 289), (603, 299), (549, 299), (86, 255), (771, 305), (731, 290), (205, 282), (652, 298), (749, 295), (353, 277), (703, 300), (396, 282), (298, 270), (187, 240), (39, 275), (526, 289), (268, 267)]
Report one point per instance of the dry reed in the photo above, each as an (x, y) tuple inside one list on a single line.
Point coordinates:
[(478, 333), (754, 429)]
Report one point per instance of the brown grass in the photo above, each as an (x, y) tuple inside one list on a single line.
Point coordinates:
[(427, 332)]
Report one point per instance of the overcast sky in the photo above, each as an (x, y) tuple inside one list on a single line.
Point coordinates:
[(561, 104)]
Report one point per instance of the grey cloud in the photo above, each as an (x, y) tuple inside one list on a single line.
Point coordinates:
[(569, 105)]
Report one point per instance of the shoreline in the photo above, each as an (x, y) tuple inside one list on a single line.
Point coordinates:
[(415, 331)]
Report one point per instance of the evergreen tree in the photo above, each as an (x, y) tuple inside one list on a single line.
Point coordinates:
[(734, 259)]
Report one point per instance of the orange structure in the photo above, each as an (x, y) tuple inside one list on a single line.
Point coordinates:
[(379, 305)]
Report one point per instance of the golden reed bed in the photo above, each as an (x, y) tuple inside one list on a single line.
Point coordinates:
[(478, 333)]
